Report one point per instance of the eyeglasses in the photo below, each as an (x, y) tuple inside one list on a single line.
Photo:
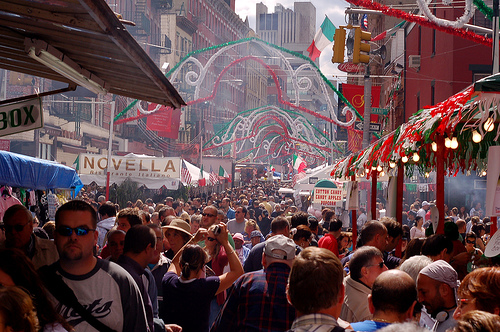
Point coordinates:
[(208, 215), (380, 265), (471, 242), (211, 239), (463, 302), (17, 228), (79, 231)]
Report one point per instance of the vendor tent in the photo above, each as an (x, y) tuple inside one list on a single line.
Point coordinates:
[(17, 170)]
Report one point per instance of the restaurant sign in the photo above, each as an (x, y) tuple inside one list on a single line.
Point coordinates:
[(130, 166)]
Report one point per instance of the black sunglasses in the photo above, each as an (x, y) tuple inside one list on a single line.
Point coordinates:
[(210, 239), (471, 242), (79, 231), (208, 215), (17, 228)]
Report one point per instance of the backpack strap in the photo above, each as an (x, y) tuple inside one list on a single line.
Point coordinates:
[(65, 295)]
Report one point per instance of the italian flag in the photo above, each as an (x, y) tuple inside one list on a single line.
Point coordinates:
[(323, 38), (223, 173), (388, 32), (202, 181), (298, 163)]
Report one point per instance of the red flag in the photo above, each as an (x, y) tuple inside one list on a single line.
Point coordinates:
[(165, 121)]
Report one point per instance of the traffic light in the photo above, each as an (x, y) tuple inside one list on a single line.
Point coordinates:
[(338, 45), (360, 46)]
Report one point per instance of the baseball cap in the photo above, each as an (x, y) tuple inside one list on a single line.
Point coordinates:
[(425, 203), (280, 242), (239, 236), (255, 234)]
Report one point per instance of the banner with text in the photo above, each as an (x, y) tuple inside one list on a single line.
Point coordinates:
[(355, 94), (327, 196), (22, 116), (131, 166)]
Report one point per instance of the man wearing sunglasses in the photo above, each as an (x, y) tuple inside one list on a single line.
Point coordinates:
[(104, 289), (365, 266), (18, 223)]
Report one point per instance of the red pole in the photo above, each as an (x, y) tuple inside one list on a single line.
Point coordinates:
[(399, 202), (374, 194), (440, 182), (493, 226), (354, 222)]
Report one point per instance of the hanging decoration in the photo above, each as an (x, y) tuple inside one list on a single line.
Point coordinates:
[(460, 32), (205, 78), (459, 23), (487, 11)]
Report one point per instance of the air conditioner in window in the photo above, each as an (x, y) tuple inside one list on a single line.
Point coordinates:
[(414, 61)]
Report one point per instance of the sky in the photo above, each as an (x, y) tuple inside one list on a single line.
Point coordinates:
[(334, 9)]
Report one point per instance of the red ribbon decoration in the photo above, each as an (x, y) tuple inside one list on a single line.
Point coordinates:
[(422, 21)]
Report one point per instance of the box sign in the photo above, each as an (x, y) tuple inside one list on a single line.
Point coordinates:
[(327, 196), (22, 116), (138, 167)]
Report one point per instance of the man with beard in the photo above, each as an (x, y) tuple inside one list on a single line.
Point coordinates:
[(436, 286), (106, 295)]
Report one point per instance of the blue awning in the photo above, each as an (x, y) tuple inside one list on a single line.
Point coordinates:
[(18, 170)]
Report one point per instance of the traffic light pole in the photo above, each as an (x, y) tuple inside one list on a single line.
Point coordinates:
[(368, 107)]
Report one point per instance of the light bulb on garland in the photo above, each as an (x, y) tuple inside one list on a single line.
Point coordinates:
[(447, 142), (404, 159), (434, 146), (476, 137), (416, 157), (392, 164), (379, 168), (454, 143), (382, 173), (374, 168), (489, 125), (426, 174), (483, 173)]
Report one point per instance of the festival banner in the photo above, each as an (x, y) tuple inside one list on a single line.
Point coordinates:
[(355, 95), (165, 121)]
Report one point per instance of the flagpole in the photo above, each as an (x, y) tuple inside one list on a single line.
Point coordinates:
[(110, 146)]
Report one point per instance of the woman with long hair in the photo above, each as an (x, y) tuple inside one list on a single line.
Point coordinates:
[(17, 270), (17, 313), (417, 231), (189, 290)]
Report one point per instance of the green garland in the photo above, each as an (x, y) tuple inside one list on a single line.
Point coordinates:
[(487, 11)]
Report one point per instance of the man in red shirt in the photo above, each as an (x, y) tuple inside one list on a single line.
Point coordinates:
[(329, 241)]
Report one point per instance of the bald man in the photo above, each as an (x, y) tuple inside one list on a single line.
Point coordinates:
[(393, 297)]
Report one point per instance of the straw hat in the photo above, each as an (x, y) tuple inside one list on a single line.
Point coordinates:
[(179, 225)]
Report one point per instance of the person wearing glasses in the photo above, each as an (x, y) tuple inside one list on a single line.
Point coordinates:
[(480, 290), (105, 290), (18, 223), (366, 264), (189, 286)]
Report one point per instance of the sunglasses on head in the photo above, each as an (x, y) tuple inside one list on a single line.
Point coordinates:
[(17, 228), (208, 215), (79, 231)]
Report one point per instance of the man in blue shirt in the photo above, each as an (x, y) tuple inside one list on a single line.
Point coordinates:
[(393, 297)]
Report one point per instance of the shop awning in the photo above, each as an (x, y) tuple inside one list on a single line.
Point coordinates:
[(84, 35), (21, 171)]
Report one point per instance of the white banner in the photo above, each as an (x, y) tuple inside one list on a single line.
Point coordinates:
[(327, 196), (352, 198), (22, 116), (132, 166), (493, 183)]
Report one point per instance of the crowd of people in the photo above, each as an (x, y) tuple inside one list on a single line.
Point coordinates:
[(243, 260)]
